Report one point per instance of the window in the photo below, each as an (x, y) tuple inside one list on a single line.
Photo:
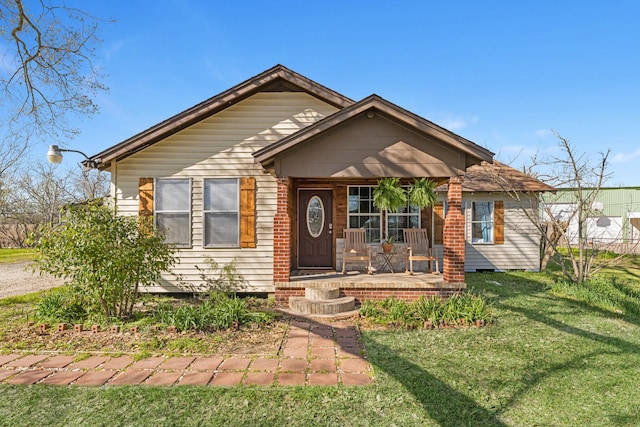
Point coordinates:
[(406, 217), (362, 214), (221, 212), (173, 210), (482, 226)]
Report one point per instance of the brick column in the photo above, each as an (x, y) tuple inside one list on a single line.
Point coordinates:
[(453, 250), (282, 234)]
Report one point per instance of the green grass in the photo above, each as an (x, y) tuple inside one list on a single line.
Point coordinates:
[(15, 255), (549, 359), (31, 299)]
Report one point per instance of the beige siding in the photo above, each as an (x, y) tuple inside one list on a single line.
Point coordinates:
[(364, 147), (222, 146), (521, 248)]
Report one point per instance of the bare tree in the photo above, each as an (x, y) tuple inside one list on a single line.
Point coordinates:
[(46, 73), (47, 68), (90, 184), (43, 193), (38, 194), (584, 174), (35, 198)]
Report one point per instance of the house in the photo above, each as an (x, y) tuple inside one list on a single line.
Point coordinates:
[(270, 172), (613, 221), (498, 203)]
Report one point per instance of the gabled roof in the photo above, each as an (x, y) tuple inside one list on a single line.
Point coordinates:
[(276, 79), (498, 177), (373, 104)]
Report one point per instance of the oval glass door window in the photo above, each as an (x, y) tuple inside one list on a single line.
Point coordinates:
[(315, 216)]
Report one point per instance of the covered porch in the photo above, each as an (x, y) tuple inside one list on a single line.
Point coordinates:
[(354, 148)]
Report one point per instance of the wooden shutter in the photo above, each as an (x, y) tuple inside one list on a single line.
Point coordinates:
[(247, 212), (498, 219), (145, 191), (438, 224)]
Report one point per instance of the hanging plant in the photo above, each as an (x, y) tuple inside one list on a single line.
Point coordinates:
[(389, 195), (422, 193)]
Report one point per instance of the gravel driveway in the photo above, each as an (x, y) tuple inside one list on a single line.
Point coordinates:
[(17, 279)]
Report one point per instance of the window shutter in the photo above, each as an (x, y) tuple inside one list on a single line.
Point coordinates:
[(438, 224), (247, 212), (145, 191), (498, 218)]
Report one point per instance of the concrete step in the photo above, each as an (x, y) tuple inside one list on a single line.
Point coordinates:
[(304, 305), (319, 294)]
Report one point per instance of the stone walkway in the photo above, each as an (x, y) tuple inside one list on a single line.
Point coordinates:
[(324, 354)]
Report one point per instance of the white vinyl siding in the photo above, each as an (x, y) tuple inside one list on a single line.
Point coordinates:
[(221, 146)]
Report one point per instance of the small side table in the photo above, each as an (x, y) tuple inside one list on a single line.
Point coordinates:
[(387, 260)]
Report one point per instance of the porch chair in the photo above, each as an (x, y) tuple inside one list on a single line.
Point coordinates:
[(418, 249), (355, 248)]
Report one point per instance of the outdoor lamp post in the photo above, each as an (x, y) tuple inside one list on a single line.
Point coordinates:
[(54, 155)]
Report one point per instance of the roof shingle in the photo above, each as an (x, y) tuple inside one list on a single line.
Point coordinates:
[(498, 177)]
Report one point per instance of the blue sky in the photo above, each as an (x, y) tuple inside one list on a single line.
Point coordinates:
[(500, 73)]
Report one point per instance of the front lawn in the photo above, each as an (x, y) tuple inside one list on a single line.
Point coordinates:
[(548, 359)]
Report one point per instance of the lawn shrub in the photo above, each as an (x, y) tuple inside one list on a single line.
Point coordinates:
[(458, 310), (428, 309), (61, 306), (219, 311), (370, 309)]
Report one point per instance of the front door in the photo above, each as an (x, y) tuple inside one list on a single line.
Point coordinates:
[(315, 228)]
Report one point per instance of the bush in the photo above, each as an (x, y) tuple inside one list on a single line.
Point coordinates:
[(370, 309), (459, 309), (61, 306), (428, 309), (220, 311), (105, 256), (218, 279)]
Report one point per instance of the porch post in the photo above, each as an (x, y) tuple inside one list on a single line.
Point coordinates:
[(453, 250), (282, 234)]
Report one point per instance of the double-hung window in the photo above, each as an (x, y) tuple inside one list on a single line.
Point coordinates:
[(482, 222), (221, 212), (362, 213), (173, 210)]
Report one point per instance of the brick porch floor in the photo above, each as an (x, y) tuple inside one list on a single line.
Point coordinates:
[(311, 353)]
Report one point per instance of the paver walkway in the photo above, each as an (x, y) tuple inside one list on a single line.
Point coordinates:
[(311, 354)]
